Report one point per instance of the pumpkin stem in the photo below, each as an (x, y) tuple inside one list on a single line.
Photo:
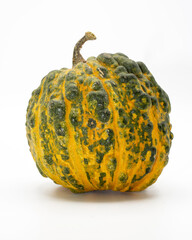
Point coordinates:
[(77, 57)]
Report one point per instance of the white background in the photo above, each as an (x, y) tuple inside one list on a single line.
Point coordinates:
[(38, 36)]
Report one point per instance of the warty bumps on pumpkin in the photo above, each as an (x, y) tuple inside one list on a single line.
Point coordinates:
[(102, 125)]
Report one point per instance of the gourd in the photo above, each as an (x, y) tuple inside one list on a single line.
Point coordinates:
[(102, 125)]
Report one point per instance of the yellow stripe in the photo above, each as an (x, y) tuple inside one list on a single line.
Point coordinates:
[(75, 158)]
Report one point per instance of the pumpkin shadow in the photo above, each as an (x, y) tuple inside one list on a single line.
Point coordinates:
[(64, 194)]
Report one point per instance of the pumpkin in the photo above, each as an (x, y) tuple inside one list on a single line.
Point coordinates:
[(102, 125)]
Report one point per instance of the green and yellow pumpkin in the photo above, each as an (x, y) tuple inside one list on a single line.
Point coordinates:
[(102, 125)]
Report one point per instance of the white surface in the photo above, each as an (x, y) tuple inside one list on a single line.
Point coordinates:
[(39, 36)]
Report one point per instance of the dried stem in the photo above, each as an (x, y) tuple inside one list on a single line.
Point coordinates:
[(77, 57)]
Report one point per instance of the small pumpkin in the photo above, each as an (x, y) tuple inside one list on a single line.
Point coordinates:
[(102, 125)]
